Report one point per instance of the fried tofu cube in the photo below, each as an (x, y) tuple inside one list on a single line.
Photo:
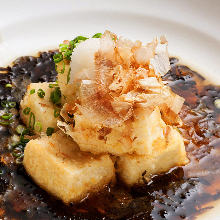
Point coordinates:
[(148, 134), (144, 135), (97, 139), (57, 165), (41, 108), (132, 169)]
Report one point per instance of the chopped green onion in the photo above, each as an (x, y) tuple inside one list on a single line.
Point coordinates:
[(24, 140), (55, 96), (31, 123), (32, 91), (5, 122), (79, 39), (17, 152), (20, 129), (7, 104), (49, 131), (4, 104), (68, 54), (71, 45), (27, 110), (68, 75), (19, 160), (67, 49), (8, 85), (63, 47), (58, 57), (56, 67), (53, 85), (97, 35), (56, 113), (38, 126), (26, 131), (41, 93), (6, 116), (11, 104), (63, 70)]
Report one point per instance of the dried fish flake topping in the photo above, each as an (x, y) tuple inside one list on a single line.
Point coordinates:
[(126, 75)]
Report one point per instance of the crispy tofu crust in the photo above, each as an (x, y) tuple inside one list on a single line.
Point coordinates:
[(42, 108), (143, 135), (132, 169), (57, 165)]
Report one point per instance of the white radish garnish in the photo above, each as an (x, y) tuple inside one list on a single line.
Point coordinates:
[(82, 60)]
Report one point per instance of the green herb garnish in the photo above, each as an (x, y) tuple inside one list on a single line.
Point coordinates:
[(72, 44), (11, 104), (55, 96), (18, 148), (23, 140), (49, 131), (27, 110), (68, 54), (4, 104), (38, 126), (68, 75), (31, 122), (32, 91), (8, 85), (66, 50), (97, 35), (18, 152), (63, 70), (5, 122), (63, 47), (53, 85), (56, 113), (19, 129), (7, 116), (41, 93), (7, 104), (58, 57), (79, 39)]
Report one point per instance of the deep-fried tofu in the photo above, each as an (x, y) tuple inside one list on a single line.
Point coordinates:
[(57, 165), (97, 139), (133, 168), (42, 108), (144, 135)]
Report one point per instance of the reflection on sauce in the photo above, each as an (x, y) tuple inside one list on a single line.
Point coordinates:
[(181, 192)]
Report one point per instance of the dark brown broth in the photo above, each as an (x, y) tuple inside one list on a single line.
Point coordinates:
[(182, 192)]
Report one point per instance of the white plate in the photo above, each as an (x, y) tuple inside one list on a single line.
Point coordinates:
[(192, 28)]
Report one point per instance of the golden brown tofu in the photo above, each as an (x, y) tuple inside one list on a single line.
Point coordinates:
[(144, 135), (132, 167), (97, 139), (57, 165), (42, 108)]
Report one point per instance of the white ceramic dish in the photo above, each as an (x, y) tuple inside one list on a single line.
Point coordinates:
[(192, 28)]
